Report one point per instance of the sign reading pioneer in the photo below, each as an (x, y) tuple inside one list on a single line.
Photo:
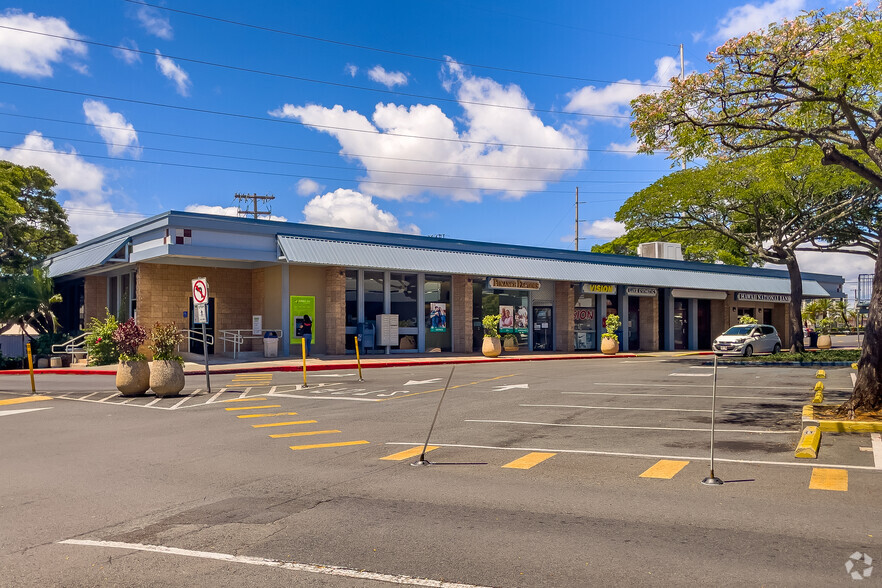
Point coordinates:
[(514, 284), (756, 297)]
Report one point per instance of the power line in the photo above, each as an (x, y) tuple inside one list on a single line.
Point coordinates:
[(379, 50), (260, 160), (335, 153), (309, 125), (315, 81)]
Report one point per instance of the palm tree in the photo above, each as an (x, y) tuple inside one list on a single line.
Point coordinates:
[(28, 299)]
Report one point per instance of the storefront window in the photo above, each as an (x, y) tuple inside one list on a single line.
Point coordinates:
[(351, 298), (403, 292), (585, 323), (512, 306), (124, 298), (112, 295), (373, 295), (436, 294)]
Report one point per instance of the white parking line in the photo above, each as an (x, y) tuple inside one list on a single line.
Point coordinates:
[(876, 440), (88, 395), (213, 398), (109, 397), (286, 395), (635, 408), (245, 393), (754, 387), (753, 431), (327, 570), (690, 375), (766, 398), (708, 367)]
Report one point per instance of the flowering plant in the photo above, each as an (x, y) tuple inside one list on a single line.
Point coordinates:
[(100, 346), (128, 337), (164, 342)]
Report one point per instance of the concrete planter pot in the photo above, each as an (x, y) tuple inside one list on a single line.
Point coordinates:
[(510, 344), (609, 346), (133, 377), (824, 342), (491, 347), (166, 377)]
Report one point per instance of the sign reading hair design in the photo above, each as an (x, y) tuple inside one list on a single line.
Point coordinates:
[(513, 284), (754, 297), (641, 291), (598, 288)]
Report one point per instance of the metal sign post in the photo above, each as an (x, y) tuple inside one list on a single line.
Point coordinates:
[(200, 316), (712, 480)]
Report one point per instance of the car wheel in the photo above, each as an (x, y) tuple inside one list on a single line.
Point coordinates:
[(777, 348), (748, 351)]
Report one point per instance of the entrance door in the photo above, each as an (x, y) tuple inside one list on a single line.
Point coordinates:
[(633, 323), (681, 323), (542, 329), (704, 324), (195, 346)]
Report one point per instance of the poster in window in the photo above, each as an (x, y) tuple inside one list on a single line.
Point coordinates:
[(438, 317), (521, 321), (506, 319)]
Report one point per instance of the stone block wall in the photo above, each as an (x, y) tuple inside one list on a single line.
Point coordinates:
[(649, 336), (335, 310), (564, 320), (461, 308), (94, 298)]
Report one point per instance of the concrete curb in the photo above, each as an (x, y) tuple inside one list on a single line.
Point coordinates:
[(838, 426), (349, 365), (807, 448)]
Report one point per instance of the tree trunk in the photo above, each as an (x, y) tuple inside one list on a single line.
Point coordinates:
[(867, 394), (797, 342)]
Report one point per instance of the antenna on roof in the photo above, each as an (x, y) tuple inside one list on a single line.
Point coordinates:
[(254, 198)]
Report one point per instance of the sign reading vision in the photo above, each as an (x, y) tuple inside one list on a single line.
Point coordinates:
[(514, 284), (598, 288), (755, 297)]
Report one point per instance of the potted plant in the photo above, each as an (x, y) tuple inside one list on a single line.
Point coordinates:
[(825, 325), (609, 341), (100, 347), (133, 372), (510, 342), (167, 370), (491, 347), (746, 319)]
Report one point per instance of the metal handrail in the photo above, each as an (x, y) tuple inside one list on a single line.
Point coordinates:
[(236, 338), (188, 336), (75, 346)]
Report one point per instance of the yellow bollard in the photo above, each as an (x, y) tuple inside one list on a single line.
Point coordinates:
[(821, 374), (358, 359), (819, 397), (819, 386), (854, 366), (303, 349), (31, 369)]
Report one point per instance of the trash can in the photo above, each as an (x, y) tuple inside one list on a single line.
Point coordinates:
[(813, 338), (270, 344)]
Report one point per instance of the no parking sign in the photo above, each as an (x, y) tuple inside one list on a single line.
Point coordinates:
[(200, 291)]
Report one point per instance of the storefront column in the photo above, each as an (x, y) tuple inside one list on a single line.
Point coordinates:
[(667, 313), (286, 311), (564, 321), (623, 315), (692, 307), (461, 307), (649, 323), (335, 310), (600, 317)]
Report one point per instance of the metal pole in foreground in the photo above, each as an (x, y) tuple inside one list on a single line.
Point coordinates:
[(712, 480), (358, 359), (205, 351), (422, 459), (31, 369), (303, 351)]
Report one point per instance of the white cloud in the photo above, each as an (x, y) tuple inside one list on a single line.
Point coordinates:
[(351, 69), (225, 211), (33, 55), (751, 17), (118, 133), (173, 71), (383, 135), (353, 210), (615, 99), (390, 79), (627, 149), (307, 187), (89, 210), (605, 228), (155, 22), (129, 57), (847, 265)]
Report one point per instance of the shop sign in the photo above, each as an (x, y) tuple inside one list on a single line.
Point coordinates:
[(641, 291), (514, 284), (703, 294), (582, 315), (755, 297), (599, 288)]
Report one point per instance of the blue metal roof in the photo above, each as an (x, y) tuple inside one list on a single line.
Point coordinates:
[(84, 257)]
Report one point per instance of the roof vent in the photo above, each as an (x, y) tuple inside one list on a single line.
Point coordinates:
[(660, 250)]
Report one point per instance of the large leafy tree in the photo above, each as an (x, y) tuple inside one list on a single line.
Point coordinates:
[(766, 205), (27, 299), (814, 80), (704, 246), (32, 222)]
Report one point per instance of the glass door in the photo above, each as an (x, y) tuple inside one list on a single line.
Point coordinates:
[(543, 339)]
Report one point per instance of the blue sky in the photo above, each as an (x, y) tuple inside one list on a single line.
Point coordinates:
[(468, 118)]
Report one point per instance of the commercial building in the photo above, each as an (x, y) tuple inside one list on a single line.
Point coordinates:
[(405, 293)]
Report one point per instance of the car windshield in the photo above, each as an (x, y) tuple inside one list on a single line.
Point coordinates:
[(740, 330)]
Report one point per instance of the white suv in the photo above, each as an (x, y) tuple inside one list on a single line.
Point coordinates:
[(747, 340)]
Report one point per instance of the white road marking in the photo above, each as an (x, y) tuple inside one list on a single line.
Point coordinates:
[(631, 427), (690, 375), (127, 400), (754, 387), (4, 413), (853, 379), (89, 395), (641, 455), (327, 570), (331, 375), (109, 397), (767, 398), (635, 408), (182, 401), (707, 367), (876, 440), (419, 382), (286, 395), (510, 387), (154, 401), (245, 393), (213, 398)]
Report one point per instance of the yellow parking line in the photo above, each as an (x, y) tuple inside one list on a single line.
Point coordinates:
[(665, 469), (408, 453), (23, 399), (829, 479), (302, 434), (282, 424), (268, 414), (529, 460), (321, 445), (254, 407), (252, 399)]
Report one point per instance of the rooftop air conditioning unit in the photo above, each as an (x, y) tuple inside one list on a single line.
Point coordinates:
[(660, 250)]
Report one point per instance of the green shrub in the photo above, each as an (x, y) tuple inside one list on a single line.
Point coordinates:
[(491, 325), (11, 363), (840, 355), (164, 342), (746, 319), (43, 344), (99, 342), (613, 323)]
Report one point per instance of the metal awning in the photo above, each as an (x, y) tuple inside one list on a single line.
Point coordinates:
[(77, 259), (367, 255)]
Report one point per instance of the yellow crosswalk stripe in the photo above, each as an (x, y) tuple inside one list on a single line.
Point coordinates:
[(252, 399), (529, 460), (665, 469), (254, 407), (302, 434), (282, 424), (23, 399), (268, 414), (407, 453), (321, 445), (829, 479)]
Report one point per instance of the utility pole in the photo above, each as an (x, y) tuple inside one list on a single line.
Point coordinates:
[(682, 78), (254, 197), (578, 238)]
